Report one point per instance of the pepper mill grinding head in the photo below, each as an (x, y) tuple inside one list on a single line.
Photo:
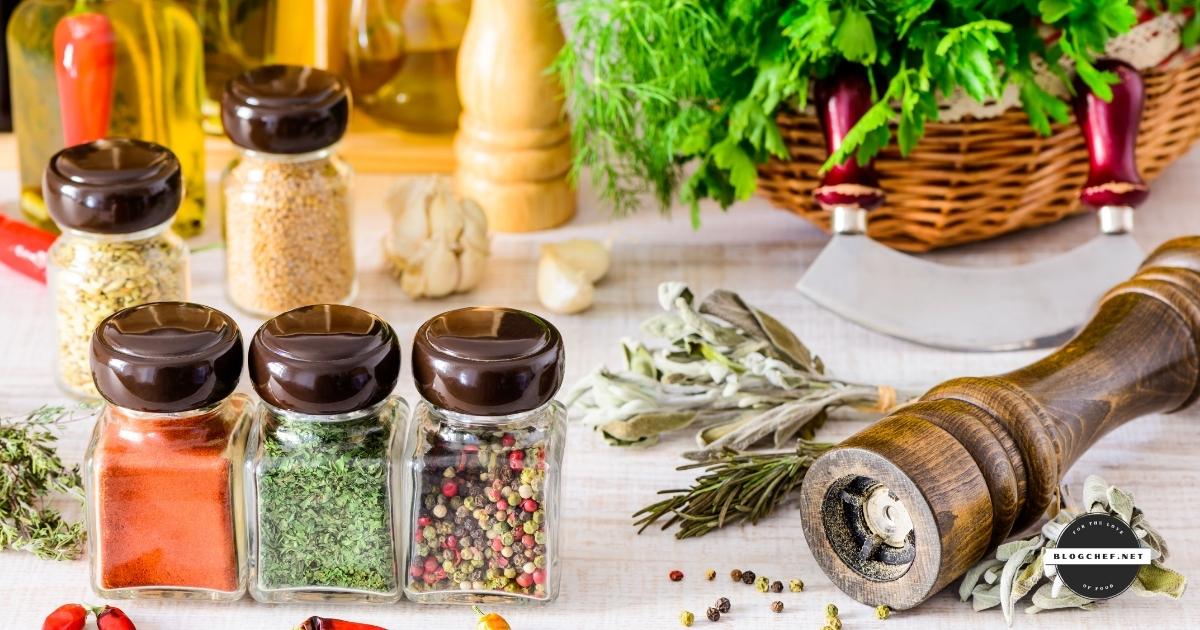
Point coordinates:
[(901, 509)]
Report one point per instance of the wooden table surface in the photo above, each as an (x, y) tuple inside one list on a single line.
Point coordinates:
[(612, 577)]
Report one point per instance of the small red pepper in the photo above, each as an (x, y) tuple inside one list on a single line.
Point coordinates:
[(109, 618), (321, 623), (23, 248), (84, 64), (66, 617)]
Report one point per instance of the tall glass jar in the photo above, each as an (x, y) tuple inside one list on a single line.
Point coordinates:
[(483, 459), (163, 467), (321, 501), (401, 59), (234, 34), (88, 69), (114, 201), (288, 239)]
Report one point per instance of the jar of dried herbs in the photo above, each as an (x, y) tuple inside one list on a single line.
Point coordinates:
[(114, 201), (483, 459), (320, 500), (163, 478), (286, 197)]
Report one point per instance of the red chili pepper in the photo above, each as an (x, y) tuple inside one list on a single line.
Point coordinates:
[(109, 618), (321, 623), (84, 63), (23, 248), (66, 617)]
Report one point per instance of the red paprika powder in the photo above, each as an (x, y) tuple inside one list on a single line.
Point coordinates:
[(164, 463)]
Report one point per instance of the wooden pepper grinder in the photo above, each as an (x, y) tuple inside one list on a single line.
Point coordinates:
[(901, 509), (513, 144)]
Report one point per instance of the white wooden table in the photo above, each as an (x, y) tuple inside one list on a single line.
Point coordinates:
[(612, 577)]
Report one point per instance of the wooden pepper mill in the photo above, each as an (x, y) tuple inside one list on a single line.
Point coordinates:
[(901, 509), (513, 145)]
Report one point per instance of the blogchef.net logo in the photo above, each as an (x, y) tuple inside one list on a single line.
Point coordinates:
[(1098, 556)]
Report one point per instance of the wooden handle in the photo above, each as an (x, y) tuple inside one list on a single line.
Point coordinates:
[(901, 509), (1110, 130), (841, 101)]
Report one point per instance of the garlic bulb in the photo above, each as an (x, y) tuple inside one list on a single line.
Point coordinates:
[(567, 272), (438, 243)]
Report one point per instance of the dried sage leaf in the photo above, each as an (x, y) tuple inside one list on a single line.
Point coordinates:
[(1011, 567), (1155, 579), (648, 425), (730, 307), (1043, 599), (974, 575), (984, 597)]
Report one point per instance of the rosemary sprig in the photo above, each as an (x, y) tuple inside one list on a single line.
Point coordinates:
[(33, 474), (734, 487)]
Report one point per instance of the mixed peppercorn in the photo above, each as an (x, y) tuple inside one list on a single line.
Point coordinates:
[(481, 525)]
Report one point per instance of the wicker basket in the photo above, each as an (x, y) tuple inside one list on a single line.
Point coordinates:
[(976, 179)]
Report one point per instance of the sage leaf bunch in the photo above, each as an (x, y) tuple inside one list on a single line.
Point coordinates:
[(1017, 568), (725, 370), (34, 476)]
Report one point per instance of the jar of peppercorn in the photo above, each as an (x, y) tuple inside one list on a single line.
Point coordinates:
[(163, 468), (114, 201), (483, 459), (321, 501)]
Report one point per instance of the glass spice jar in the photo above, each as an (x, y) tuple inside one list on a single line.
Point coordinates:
[(321, 498), (483, 459), (286, 197), (164, 463), (114, 201)]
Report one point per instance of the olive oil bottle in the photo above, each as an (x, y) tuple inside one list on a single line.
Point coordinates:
[(139, 73)]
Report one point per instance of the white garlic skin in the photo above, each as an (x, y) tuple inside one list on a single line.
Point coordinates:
[(567, 273)]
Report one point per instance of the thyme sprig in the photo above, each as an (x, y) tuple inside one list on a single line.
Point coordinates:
[(735, 487), (34, 475)]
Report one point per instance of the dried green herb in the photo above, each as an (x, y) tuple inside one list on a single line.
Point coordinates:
[(729, 371), (324, 511), (34, 475), (1017, 569), (733, 488)]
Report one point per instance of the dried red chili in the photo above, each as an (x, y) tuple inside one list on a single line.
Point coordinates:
[(110, 618), (84, 63), (321, 623), (66, 617), (23, 248)]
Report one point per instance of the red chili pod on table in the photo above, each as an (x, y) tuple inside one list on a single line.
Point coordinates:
[(109, 618), (23, 248), (66, 617), (321, 623), (84, 64)]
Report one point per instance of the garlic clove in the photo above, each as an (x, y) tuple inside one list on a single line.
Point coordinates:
[(445, 220), (471, 264), (441, 271), (474, 235), (561, 287), (589, 256)]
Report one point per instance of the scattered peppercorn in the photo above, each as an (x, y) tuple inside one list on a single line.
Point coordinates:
[(66, 617), (776, 607), (826, 628), (834, 623), (735, 575), (831, 611), (675, 575), (723, 604), (710, 574), (713, 614), (776, 586), (747, 577), (795, 586), (686, 618), (883, 612), (762, 584), (490, 621)]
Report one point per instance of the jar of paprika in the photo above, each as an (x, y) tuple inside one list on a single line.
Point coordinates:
[(483, 459), (164, 463), (114, 201), (321, 496)]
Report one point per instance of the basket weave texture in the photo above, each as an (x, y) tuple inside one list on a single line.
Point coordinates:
[(976, 179)]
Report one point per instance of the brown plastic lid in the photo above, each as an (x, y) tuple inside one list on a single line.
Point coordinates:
[(113, 186), (285, 109), (488, 361), (166, 357), (324, 359)]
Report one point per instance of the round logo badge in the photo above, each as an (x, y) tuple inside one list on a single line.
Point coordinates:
[(1098, 556)]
